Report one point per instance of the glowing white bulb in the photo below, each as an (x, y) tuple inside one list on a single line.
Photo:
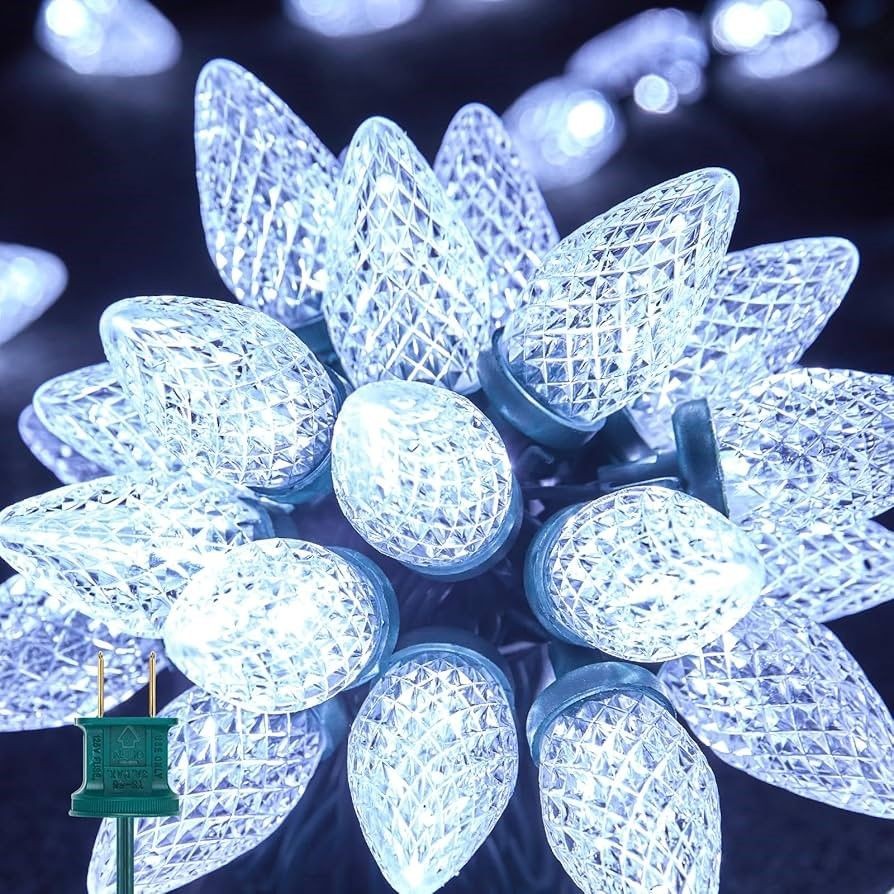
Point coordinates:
[(408, 295), (432, 763), (267, 194), (232, 393), (646, 574), (108, 37), (351, 18), (120, 549), (779, 697), (66, 464), (282, 625), (499, 201), (423, 476), (30, 281), (239, 774)]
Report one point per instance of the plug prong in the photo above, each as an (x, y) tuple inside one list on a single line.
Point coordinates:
[(152, 696), (101, 684)]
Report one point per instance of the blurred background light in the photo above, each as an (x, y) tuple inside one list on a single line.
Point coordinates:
[(349, 18)]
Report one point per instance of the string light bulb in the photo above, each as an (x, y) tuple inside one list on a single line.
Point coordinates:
[(30, 282), (55, 455)]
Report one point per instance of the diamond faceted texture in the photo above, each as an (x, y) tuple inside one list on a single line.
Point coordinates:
[(122, 38), (421, 473), (614, 303), (88, 410), (768, 305), (807, 444), (267, 194), (121, 548), (779, 697), (629, 802), (67, 465), (238, 773), (408, 294), (48, 660), (646, 573), (564, 130), (432, 763), (232, 393), (499, 201), (279, 625), (30, 281), (828, 571)]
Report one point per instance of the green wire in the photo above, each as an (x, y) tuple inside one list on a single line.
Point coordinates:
[(125, 855)]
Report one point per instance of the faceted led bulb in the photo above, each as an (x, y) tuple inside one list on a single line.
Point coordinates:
[(629, 802), (564, 131), (499, 201), (808, 444), (120, 549), (48, 660), (614, 303), (238, 774), (826, 571), (768, 305), (30, 281), (657, 56), (408, 293), (67, 465), (282, 625), (432, 763), (646, 573), (88, 410), (232, 393), (267, 193), (108, 37), (423, 476), (779, 697), (350, 18)]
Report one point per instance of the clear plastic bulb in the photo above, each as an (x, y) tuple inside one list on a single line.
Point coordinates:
[(780, 698), (808, 444), (646, 573), (423, 476), (499, 201), (232, 393), (122, 38), (408, 293), (282, 625), (826, 571), (30, 281), (564, 131), (120, 549), (351, 18), (55, 455), (614, 303), (432, 763), (48, 660), (628, 800), (239, 774), (267, 194), (88, 410), (768, 305)]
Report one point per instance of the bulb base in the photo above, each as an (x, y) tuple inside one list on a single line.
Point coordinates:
[(593, 681), (521, 409)]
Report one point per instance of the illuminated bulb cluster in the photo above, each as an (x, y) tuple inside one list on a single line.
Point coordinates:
[(351, 18), (30, 281), (121, 38), (238, 773), (779, 697), (432, 763), (646, 574), (281, 625), (48, 660)]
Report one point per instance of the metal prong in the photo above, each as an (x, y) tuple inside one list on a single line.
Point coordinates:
[(152, 699), (101, 684)]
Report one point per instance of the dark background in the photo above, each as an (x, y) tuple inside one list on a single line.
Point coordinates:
[(101, 172)]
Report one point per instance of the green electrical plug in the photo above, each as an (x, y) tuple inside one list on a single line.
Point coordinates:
[(125, 771)]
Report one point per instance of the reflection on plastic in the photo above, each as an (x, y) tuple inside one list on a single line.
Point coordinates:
[(350, 18), (565, 131), (108, 37)]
